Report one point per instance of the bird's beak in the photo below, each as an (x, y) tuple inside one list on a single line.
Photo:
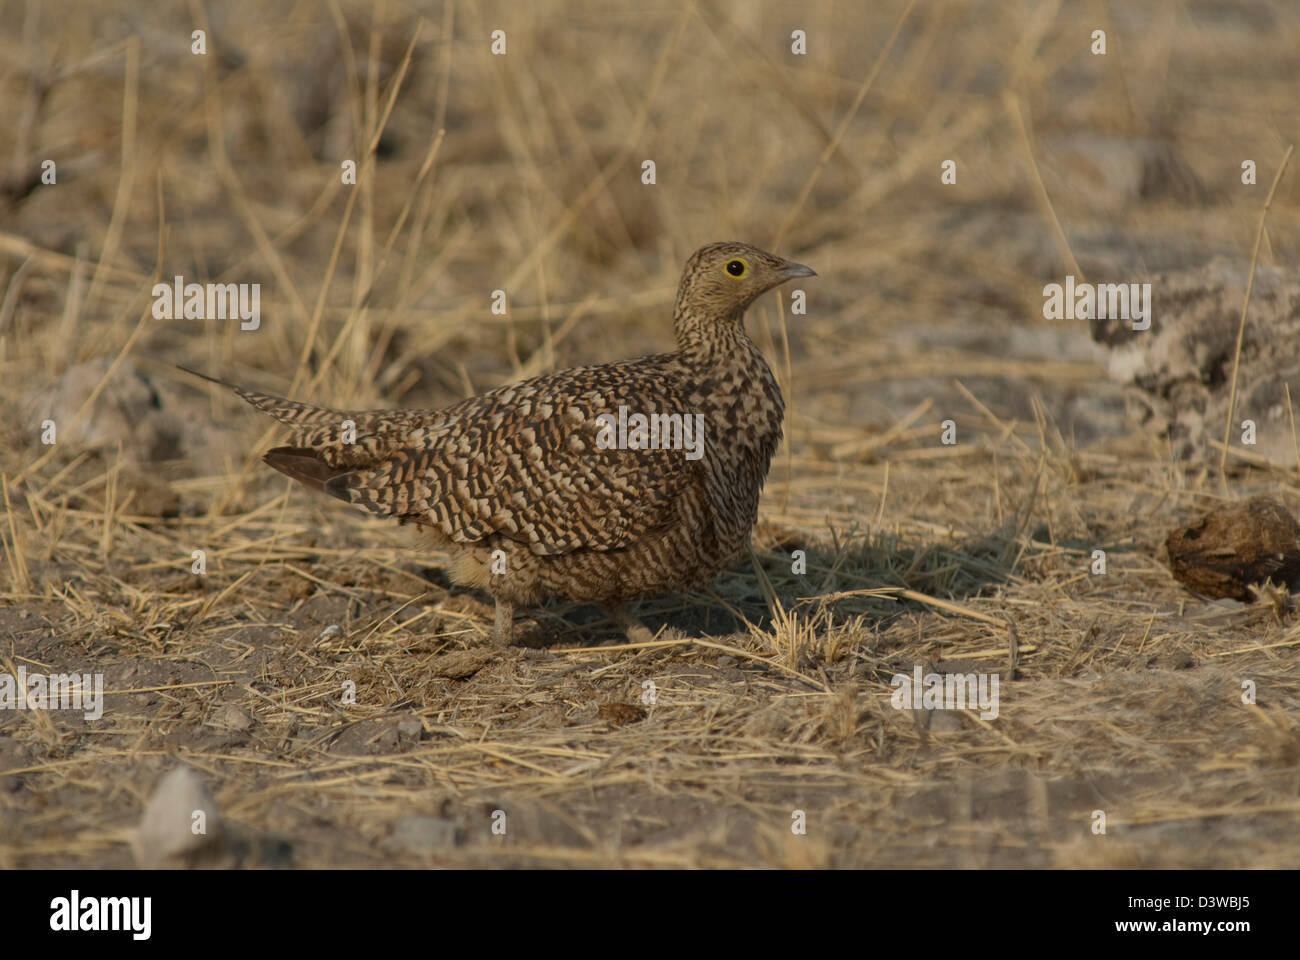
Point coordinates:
[(792, 270)]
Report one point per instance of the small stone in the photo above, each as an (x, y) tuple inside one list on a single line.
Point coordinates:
[(234, 718), (410, 727), (419, 834), (169, 832), (945, 721)]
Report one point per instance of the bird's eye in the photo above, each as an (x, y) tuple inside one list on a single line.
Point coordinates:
[(737, 268)]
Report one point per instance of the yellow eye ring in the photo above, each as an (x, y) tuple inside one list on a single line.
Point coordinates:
[(736, 267)]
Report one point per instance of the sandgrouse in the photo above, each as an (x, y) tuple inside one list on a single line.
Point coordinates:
[(597, 484)]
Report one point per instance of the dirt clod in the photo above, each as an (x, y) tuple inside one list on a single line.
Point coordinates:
[(1228, 550)]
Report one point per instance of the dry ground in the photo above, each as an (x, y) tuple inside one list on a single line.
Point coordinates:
[(1120, 692)]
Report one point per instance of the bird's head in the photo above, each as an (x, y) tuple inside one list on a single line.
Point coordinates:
[(722, 279)]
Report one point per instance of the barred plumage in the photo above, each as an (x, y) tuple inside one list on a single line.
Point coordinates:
[(520, 483)]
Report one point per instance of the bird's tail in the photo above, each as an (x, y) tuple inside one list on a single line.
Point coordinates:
[(289, 412), (318, 457)]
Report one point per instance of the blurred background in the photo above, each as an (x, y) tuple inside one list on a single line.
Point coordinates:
[(1116, 166)]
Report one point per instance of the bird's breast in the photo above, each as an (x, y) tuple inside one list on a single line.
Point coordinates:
[(742, 411)]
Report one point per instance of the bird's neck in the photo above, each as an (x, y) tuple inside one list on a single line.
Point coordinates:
[(708, 340), (720, 352)]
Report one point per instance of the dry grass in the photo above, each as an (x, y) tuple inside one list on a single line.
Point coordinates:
[(1120, 692)]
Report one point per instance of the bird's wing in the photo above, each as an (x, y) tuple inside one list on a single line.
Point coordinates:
[(525, 461)]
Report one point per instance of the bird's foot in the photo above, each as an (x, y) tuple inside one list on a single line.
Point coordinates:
[(503, 624), (634, 629)]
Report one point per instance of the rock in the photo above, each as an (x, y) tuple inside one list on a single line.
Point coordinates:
[(1236, 546), (943, 721), (1181, 368), (128, 411), (410, 727), (1112, 173), (234, 718), (168, 834), (422, 835)]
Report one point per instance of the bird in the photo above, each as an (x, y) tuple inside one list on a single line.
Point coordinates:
[(597, 484)]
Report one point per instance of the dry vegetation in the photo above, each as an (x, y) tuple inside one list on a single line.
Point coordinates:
[(1121, 692)]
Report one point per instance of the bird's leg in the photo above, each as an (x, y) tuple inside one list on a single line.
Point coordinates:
[(503, 623), (635, 630)]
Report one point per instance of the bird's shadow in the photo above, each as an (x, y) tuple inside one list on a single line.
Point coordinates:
[(851, 576)]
